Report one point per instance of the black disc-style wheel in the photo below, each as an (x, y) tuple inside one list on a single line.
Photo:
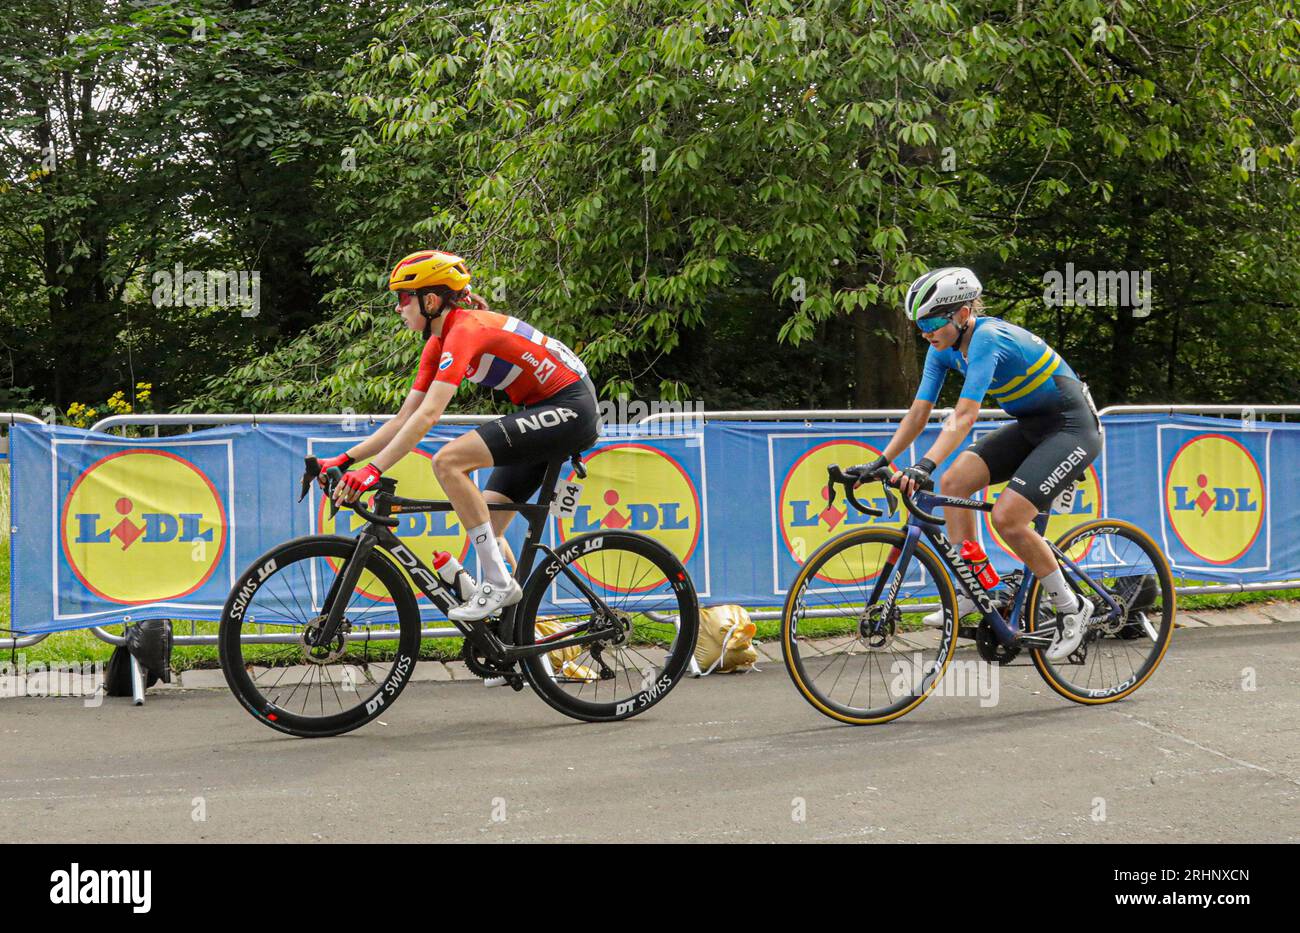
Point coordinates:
[(644, 602), (276, 664), (848, 655), (1118, 652)]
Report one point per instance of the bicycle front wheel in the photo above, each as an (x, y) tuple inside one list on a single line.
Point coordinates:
[(308, 690), (847, 656), (1117, 655), (646, 602)]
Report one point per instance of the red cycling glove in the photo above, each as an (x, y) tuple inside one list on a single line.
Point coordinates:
[(359, 481), (342, 461)]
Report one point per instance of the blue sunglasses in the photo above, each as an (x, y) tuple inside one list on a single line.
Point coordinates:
[(929, 325)]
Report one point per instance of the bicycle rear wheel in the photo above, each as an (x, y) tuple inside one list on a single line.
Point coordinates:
[(1118, 656), (313, 691), (836, 662), (653, 621)]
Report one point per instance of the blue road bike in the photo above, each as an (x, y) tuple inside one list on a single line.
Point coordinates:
[(856, 649)]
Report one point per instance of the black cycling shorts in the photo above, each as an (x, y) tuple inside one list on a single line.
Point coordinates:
[(524, 442), (1041, 454)]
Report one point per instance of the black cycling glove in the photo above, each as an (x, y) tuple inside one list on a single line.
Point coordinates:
[(920, 471), (863, 471)]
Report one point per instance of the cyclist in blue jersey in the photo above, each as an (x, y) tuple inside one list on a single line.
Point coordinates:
[(1055, 435)]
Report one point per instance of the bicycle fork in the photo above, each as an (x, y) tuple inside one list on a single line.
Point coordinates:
[(345, 581)]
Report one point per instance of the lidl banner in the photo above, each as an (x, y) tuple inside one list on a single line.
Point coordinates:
[(107, 529)]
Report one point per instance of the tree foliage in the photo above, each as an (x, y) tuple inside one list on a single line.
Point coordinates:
[(707, 199)]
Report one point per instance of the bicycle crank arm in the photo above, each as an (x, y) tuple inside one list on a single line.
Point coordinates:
[(1036, 640)]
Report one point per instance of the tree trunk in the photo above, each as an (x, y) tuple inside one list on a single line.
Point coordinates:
[(886, 372)]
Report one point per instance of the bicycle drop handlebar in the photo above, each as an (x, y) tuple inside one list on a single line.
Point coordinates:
[(849, 479)]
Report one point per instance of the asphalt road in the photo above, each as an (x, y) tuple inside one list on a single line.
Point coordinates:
[(1192, 756)]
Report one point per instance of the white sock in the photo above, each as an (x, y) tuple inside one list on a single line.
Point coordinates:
[(491, 566), (1063, 598)]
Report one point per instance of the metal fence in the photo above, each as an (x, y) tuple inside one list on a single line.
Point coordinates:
[(188, 422)]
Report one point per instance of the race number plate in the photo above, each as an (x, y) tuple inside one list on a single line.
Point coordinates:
[(1064, 500), (567, 495)]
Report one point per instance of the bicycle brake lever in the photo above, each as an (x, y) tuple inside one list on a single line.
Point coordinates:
[(309, 476), (333, 476), (891, 499)]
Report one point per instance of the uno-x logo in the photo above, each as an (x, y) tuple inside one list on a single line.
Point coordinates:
[(1215, 497), (143, 525)]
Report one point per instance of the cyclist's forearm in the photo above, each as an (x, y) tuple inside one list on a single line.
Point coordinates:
[(418, 421), (909, 429), (955, 428), (377, 441), (406, 438)]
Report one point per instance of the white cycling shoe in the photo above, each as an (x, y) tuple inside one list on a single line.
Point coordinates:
[(486, 600), (965, 606), (1070, 635)]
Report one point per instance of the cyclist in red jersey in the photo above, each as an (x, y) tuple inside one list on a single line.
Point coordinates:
[(466, 340)]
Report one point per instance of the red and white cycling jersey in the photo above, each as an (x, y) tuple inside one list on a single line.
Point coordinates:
[(499, 352)]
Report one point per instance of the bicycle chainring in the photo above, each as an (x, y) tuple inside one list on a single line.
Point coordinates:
[(480, 665), (992, 650)]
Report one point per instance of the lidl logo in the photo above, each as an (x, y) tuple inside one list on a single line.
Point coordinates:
[(424, 533), (635, 487), (1085, 505), (142, 526), (805, 519), (1214, 496)]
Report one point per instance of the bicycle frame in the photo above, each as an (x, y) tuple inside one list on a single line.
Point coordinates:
[(377, 533), (1007, 630)]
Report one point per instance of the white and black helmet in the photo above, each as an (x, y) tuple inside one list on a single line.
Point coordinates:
[(941, 290)]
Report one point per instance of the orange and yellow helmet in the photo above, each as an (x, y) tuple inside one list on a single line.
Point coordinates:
[(429, 268)]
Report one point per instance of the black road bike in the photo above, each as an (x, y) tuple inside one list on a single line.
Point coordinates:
[(320, 634)]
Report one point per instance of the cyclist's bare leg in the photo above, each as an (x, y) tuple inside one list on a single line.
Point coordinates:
[(1013, 516), (452, 464), (967, 476)]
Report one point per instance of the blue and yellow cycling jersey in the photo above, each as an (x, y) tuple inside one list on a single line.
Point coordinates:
[(1010, 365)]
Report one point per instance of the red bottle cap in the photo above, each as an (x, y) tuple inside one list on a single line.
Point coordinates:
[(440, 558)]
